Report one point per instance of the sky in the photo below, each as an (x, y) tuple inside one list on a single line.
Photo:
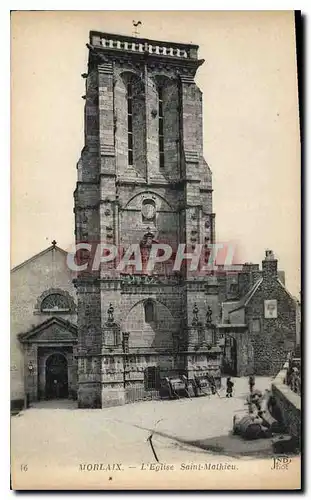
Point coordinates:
[(250, 118)]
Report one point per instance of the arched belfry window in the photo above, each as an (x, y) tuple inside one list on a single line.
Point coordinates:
[(130, 112), (149, 311), (161, 126), (168, 124), (130, 122)]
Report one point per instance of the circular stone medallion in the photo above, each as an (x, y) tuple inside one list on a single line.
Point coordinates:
[(148, 210)]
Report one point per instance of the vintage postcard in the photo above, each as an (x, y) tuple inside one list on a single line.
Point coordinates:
[(155, 260)]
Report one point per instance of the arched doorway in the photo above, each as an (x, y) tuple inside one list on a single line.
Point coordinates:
[(230, 356), (56, 377)]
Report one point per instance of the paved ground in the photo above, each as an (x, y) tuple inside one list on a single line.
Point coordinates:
[(56, 446), (45, 433)]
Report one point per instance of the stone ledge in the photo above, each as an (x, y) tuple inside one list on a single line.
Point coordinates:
[(289, 404), (278, 384)]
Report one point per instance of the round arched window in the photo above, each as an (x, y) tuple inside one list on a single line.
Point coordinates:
[(55, 302), (149, 311)]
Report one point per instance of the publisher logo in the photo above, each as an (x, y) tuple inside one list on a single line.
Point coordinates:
[(281, 463)]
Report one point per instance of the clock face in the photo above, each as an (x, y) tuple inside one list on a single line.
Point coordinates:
[(148, 210)]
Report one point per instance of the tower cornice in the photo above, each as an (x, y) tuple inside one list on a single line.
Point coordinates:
[(125, 42), (105, 55)]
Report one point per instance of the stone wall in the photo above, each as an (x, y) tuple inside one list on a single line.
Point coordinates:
[(243, 349), (276, 336), (289, 404), (124, 376)]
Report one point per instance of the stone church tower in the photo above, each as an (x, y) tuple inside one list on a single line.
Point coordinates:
[(142, 178)]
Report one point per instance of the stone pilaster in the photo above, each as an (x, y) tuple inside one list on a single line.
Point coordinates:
[(31, 372), (89, 343), (112, 367)]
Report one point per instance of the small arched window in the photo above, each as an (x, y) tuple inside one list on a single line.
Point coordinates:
[(55, 302), (149, 311)]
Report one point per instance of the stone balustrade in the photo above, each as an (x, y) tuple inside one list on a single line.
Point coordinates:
[(143, 46)]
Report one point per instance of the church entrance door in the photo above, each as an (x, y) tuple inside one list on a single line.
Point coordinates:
[(56, 377)]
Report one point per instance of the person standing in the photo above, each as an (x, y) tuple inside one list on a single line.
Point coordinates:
[(230, 385), (251, 383)]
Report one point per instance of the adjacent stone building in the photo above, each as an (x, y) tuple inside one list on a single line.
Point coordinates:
[(260, 328), (43, 328)]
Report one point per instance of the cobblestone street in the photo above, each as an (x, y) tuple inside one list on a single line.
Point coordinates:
[(120, 433)]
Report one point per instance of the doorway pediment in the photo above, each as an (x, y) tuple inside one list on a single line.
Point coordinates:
[(52, 330)]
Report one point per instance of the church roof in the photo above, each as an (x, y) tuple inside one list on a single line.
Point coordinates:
[(247, 297), (37, 255), (67, 331), (285, 289)]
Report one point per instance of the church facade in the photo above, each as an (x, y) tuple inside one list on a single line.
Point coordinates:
[(43, 329), (142, 179)]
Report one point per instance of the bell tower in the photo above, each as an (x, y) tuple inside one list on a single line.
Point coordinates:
[(141, 173)]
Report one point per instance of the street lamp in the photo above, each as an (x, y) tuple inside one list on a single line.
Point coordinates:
[(26, 384)]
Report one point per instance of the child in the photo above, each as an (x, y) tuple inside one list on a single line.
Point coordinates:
[(230, 385)]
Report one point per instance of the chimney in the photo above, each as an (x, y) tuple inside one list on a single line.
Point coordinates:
[(269, 266), (248, 276)]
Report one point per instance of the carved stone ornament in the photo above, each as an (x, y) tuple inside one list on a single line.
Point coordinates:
[(148, 210), (136, 280), (110, 314), (195, 311), (209, 313)]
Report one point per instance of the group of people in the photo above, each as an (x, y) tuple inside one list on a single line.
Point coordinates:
[(258, 421)]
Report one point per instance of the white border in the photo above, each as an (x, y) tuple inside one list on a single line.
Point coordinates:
[(5, 7)]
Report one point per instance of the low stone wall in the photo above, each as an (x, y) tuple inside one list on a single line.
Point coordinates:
[(289, 404)]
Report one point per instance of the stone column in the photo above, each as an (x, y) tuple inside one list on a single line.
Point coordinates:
[(126, 367), (74, 388), (193, 329), (89, 343), (112, 366), (212, 303)]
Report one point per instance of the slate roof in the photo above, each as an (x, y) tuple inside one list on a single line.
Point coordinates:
[(247, 297)]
